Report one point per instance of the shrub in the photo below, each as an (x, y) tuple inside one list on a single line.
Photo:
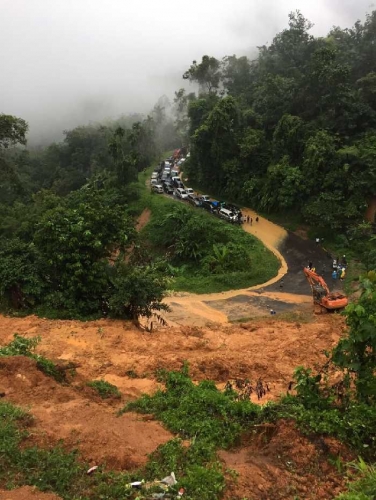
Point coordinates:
[(105, 389)]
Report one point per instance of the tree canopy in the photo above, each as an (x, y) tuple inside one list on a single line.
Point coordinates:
[(294, 128)]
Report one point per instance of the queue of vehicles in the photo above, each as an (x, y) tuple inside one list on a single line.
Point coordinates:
[(165, 179)]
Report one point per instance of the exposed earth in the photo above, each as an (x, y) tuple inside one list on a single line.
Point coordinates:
[(276, 463)]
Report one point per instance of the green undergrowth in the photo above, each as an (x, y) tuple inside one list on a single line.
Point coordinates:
[(363, 488), (204, 254), (353, 424), (211, 419), (21, 346), (200, 412), (208, 418), (104, 389)]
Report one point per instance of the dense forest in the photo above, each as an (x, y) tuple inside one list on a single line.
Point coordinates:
[(293, 130), (66, 228)]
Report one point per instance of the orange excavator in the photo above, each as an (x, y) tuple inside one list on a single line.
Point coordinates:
[(321, 294)]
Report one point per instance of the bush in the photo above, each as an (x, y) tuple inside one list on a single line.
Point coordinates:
[(105, 389)]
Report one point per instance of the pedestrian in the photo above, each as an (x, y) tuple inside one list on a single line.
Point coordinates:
[(257, 219), (251, 220), (335, 264), (248, 219), (317, 241), (334, 274), (344, 261), (313, 269), (343, 274), (310, 265)]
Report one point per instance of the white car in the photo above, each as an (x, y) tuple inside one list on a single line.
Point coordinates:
[(189, 191), (204, 197), (181, 193), (157, 188)]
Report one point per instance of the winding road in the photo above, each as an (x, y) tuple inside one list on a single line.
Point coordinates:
[(288, 291)]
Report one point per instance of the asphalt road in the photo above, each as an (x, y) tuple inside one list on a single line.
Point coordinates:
[(297, 253)]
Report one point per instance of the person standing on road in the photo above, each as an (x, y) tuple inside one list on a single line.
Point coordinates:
[(257, 219), (248, 219), (317, 241), (251, 220)]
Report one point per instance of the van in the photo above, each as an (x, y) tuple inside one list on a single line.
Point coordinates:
[(227, 215), (154, 175), (157, 188)]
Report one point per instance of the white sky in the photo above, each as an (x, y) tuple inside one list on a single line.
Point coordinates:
[(65, 62)]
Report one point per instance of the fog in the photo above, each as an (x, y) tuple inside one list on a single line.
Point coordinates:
[(69, 62)]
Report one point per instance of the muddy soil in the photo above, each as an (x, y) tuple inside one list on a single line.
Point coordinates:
[(279, 463), (27, 493), (119, 353)]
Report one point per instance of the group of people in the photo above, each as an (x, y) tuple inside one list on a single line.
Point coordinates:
[(249, 219), (339, 268)]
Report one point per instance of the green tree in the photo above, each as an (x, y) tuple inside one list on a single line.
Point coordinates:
[(76, 240), (356, 352), (136, 291), (207, 74), (21, 282), (12, 131)]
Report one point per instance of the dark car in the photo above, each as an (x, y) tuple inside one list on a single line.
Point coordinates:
[(193, 200), (168, 188), (206, 205), (178, 184)]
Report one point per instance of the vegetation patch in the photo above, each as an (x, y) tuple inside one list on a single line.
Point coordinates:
[(203, 254), (21, 346), (105, 389)]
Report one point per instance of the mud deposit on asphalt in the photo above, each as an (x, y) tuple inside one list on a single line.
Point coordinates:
[(256, 305)]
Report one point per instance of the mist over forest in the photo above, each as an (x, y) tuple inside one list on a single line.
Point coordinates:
[(71, 63)]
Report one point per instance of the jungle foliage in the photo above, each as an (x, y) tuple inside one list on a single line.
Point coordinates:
[(294, 129), (65, 229)]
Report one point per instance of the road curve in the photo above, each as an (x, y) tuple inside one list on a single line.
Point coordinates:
[(196, 309)]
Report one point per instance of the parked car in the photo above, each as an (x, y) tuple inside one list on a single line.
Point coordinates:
[(168, 188), (189, 191), (181, 193), (154, 182), (193, 200), (174, 172), (227, 215), (154, 175), (207, 206), (177, 182), (157, 188), (203, 197)]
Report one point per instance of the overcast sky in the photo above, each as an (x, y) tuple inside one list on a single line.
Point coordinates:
[(66, 62)]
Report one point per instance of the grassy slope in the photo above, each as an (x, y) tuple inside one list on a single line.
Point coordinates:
[(192, 278)]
